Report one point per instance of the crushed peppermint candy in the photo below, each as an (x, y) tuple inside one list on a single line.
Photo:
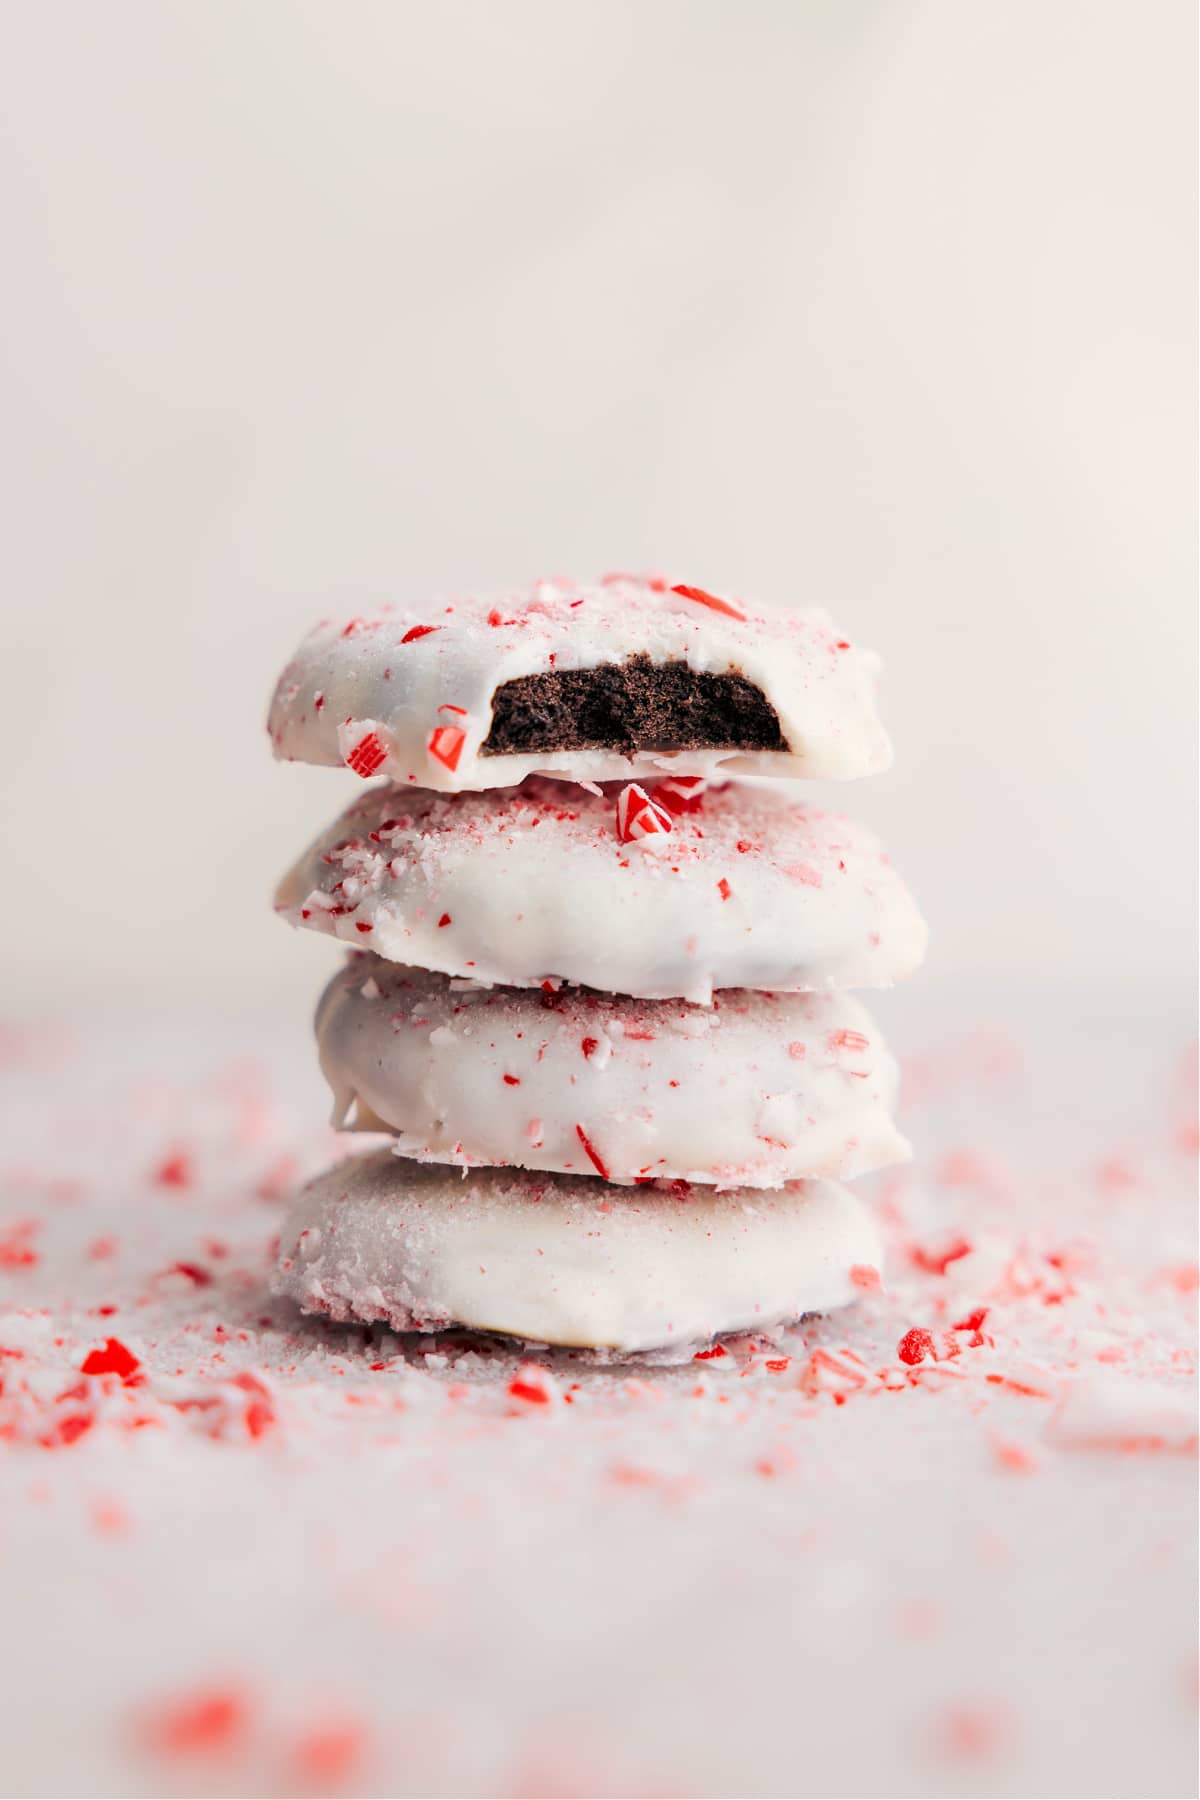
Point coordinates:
[(1047, 1428), (639, 817), (446, 744), (711, 601), (681, 793), (364, 747)]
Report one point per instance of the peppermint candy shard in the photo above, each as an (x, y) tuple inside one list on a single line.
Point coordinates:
[(364, 746), (702, 597), (446, 745), (681, 793), (638, 816)]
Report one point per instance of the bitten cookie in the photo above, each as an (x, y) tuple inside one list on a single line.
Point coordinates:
[(556, 1259), (746, 887), (631, 677), (757, 1090)]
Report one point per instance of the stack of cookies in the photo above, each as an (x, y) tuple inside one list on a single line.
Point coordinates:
[(601, 944)]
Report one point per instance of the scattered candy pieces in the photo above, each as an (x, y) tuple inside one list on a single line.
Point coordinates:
[(365, 1525)]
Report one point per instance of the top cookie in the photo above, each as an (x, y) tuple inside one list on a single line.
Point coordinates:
[(631, 677)]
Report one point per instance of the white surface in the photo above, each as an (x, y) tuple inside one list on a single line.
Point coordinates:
[(556, 1259), (973, 1577), (351, 675), (755, 887), (757, 1089), (889, 306)]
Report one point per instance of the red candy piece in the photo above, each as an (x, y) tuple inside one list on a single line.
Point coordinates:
[(1014, 1456), (972, 1322), (68, 1430), (368, 756), (195, 1272), (175, 1170), (525, 1390), (703, 598), (260, 1414), (681, 793), (325, 1755), (114, 1359), (915, 1345), (638, 816), (418, 631), (208, 1721), (593, 1154), (936, 1262), (16, 1252), (446, 743)]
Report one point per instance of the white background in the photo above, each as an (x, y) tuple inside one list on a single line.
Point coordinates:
[(888, 306)]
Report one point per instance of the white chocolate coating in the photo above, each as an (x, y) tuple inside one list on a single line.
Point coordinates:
[(556, 1259), (353, 675), (755, 1091), (523, 886)]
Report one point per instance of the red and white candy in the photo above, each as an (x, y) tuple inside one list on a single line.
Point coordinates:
[(364, 746), (681, 793), (639, 817)]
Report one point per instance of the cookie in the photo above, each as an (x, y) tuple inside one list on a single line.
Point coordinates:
[(559, 1259), (629, 678), (756, 1090), (675, 895)]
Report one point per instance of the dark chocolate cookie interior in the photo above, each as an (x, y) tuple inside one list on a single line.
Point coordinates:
[(637, 705)]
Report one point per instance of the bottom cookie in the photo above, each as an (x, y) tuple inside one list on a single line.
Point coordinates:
[(569, 1260)]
